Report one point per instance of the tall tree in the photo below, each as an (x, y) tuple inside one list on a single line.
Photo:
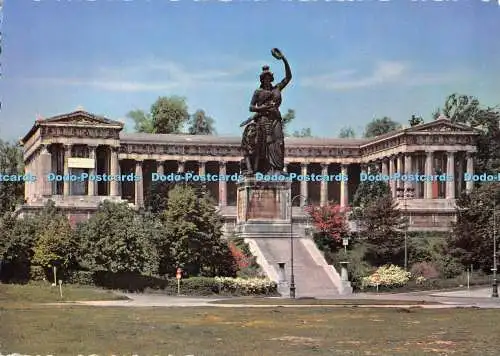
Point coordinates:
[(416, 120), (11, 163), (302, 133), (471, 240), (330, 224), (381, 225), (117, 239), (467, 110), (169, 114), (201, 124), (347, 132), (381, 126), (143, 122), (195, 230), (460, 108), (288, 117)]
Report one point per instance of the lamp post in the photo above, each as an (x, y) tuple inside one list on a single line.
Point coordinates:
[(292, 274), (405, 194), (494, 287)]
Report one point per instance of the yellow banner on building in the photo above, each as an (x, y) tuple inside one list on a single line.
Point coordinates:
[(81, 163)]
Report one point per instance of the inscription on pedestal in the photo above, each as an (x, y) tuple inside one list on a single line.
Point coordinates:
[(242, 203), (264, 204)]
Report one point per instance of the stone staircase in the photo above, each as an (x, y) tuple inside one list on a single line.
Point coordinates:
[(313, 276)]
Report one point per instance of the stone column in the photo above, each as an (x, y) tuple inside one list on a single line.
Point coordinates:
[(399, 169), (66, 183), (202, 168), (324, 185), (181, 164), (139, 187), (392, 182), (222, 184), (115, 170), (303, 185), (408, 170), (344, 187), (91, 182), (385, 168), (429, 171), (469, 185), (160, 167), (27, 185), (450, 172), (46, 168)]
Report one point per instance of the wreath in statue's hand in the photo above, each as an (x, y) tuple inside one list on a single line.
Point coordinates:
[(277, 54)]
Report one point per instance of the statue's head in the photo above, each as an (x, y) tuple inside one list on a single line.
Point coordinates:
[(266, 77)]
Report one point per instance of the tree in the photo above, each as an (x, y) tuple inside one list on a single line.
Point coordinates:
[(416, 120), (55, 244), (459, 108), (118, 239), (288, 117), (369, 192), (169, 114), (195, 230), (11, 163), (381, 126), (143, 121), (471, 240), (347, 132), (302, 133), (201, 124), (381, 225), (330, 223), (467, 110)]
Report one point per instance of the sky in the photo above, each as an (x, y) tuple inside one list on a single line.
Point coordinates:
[(352, 61)]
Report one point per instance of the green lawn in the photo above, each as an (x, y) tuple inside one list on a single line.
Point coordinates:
[(347, 302), (45, 293), (31, 328)]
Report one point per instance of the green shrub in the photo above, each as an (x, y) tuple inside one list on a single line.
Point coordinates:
[(37, 273), (426, 270), (84, 278), (387, 276)]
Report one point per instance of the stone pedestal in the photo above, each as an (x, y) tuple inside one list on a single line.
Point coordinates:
[(344, 275), (263, 208)]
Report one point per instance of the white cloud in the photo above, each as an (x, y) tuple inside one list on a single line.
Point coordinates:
[(154, 75), (384, 72)]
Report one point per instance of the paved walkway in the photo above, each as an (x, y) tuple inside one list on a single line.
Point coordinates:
[(479, 298)]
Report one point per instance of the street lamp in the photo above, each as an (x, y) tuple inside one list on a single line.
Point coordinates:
[(405, 194), (292, 274), (494, 287)]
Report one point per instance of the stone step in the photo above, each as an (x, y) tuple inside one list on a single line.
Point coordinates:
[(311, 278)]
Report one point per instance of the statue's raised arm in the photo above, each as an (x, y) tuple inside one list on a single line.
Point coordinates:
[(288, 73)]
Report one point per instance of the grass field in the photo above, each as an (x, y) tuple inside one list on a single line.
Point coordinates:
[(32, 329), (307, 301), (45, 293)]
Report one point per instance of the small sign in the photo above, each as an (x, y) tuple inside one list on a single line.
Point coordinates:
[(345, 242), (179, 273), (74, 162)]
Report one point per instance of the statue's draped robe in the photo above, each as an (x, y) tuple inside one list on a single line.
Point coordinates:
[(269, 146)]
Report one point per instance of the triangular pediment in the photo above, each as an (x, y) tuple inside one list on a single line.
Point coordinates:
[(80, 117), (441, 124)]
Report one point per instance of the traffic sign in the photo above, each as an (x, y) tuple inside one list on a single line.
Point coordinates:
[(179, 273)]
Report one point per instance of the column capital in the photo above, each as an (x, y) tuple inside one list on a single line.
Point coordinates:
[(222, 163), (450, 153), (469, 154), (139, 161), (304, 164), (325, 165)]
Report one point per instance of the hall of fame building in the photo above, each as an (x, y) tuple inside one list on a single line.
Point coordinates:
[(80, 142)]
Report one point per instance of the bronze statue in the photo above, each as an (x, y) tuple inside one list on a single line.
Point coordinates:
[(263, 143)]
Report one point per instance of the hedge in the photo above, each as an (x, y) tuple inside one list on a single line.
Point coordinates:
[(198, 286)]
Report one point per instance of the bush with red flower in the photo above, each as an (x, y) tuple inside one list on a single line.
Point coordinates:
[(330, 224)]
